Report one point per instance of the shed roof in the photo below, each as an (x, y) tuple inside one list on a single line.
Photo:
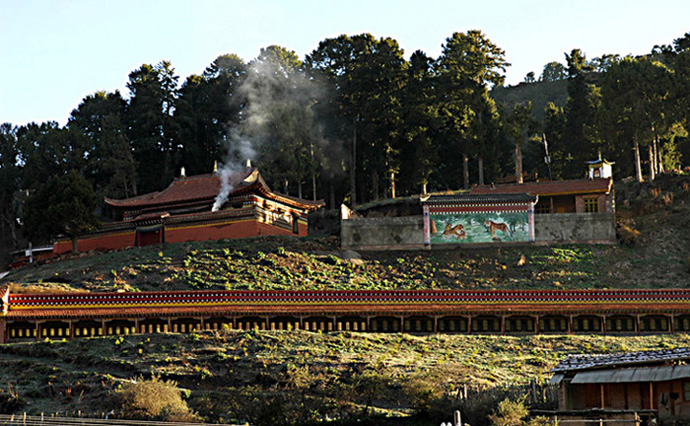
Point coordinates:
[(555, 187), (633, 375), (592, 362)]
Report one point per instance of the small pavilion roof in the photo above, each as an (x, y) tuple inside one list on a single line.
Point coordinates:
[(554, 187)]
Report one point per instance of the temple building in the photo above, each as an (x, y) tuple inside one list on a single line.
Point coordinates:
[(190, 209)]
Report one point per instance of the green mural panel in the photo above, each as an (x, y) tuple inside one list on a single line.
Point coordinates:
[(490, 227)]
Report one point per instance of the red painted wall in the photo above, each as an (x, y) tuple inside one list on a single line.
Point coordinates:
[(211, 232), (203, 232), (100, 242)]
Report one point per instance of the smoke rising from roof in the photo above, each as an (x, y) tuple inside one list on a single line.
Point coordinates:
[(279, 130), (241, 151)]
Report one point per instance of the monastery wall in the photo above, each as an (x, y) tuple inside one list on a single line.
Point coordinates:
[(383, 233), (102, 242), (575, 228), (407, 233), (205, 232)]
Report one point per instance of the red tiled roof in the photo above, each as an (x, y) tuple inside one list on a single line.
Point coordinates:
[(556, 187), (205, 188), (181, 190)]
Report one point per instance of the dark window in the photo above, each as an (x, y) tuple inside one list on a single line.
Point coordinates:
[(591, 205), (542, 208), (295, 224)]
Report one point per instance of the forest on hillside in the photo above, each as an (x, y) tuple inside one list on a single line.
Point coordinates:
[(353, 121)]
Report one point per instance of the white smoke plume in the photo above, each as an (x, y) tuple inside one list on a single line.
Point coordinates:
[(241, 150), (271, 97)]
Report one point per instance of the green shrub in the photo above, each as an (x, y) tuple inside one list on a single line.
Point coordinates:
[(509, 413), (154, 399)]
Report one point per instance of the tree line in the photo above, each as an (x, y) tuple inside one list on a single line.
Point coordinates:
[(353, 121)]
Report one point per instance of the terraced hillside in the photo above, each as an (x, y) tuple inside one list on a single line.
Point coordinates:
[(293, 377)]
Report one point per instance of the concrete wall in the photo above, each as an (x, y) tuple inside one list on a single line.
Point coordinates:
[(387, 233), (399, 233), (575, 227), (324, 223)]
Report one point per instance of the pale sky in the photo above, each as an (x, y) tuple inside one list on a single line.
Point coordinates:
[(53, 53)]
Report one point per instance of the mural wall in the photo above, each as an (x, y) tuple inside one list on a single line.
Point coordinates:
[(470, 227), (468, 219)]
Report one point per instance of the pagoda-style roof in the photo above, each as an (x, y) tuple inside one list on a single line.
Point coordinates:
[(205, 188), (550, 188)]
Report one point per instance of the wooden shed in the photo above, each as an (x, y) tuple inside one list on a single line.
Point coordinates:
[(649, 383)]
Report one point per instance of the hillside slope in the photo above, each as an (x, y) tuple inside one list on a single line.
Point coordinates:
[(656, 258), (270, 378), (539, 93), (299, 377)]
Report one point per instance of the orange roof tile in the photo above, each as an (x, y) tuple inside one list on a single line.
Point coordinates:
[(555, 187)]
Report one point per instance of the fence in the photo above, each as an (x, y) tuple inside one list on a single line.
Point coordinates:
[(25, 420)]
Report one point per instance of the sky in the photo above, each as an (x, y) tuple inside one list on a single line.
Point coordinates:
[(53, 53)]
